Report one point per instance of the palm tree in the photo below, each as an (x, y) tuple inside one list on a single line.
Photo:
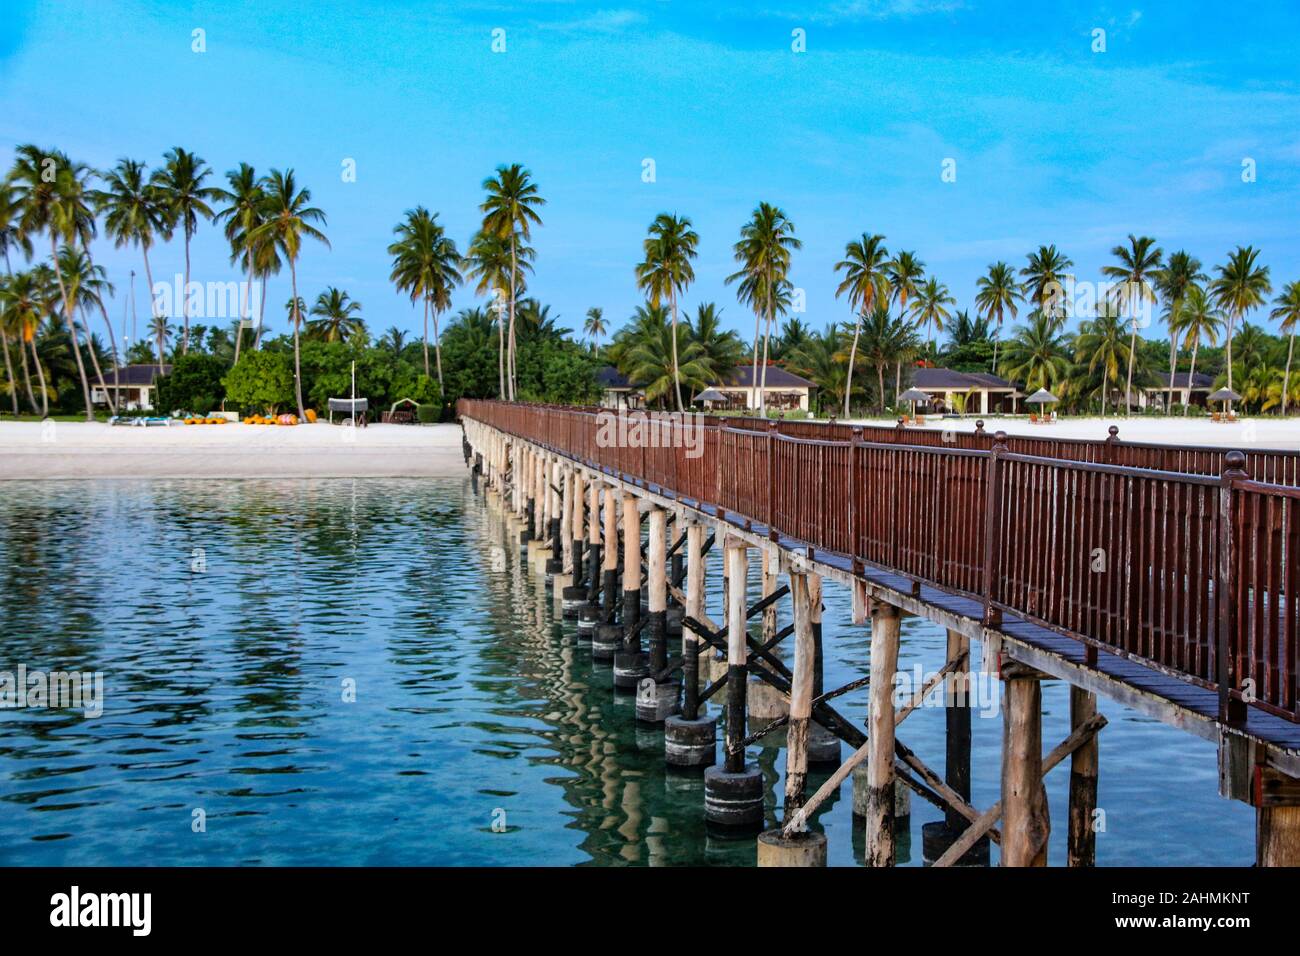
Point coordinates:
[(880, 344), (593, 327), (1045, 277), (1139, 262), (289, 219), (647, 354), (666, 271), (1241, 286), (1037, 353), (162, 332), (866, 285), (499, 265), (929, 308), (338, 316), (1181, 271), (86, 284), (998, 294), (510, 212), (133, 213), (50, 190), (245, 203), (1101, 345), (818, 357), (904, 271), (1288, 314), (394, 340), (425, 266), (1196, 321), (10, 237), (179, 185), (763, 252), (21, 311), (720, 350)]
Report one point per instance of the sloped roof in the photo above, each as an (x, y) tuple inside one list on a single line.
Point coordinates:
[(1199, 381), (946, 378), (136, 375), (742, 376), (608, 377)]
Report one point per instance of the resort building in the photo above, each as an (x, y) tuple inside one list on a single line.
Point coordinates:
[(1186, 392), (132, 387), (973, 392), (782, 389), (616, 391)]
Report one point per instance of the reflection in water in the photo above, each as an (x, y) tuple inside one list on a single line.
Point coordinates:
[(233, 620)]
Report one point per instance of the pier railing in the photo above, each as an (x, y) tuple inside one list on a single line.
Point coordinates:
[(1190, 571)]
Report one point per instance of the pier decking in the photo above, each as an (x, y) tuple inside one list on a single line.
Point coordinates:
[(1159, 576)]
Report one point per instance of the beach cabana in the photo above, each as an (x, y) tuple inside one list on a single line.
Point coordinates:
[(1227, 396), (710, 397), (1040, 398), (914, 395), (351, 408)]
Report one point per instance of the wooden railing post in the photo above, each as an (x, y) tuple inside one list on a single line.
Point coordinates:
[(1112, 440), (855, 533), (1231, 710), (993, 526), (771, 479)]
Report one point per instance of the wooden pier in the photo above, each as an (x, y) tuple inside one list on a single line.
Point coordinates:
[(1161, 577)]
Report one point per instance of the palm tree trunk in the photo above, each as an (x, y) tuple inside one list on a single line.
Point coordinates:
[(261, 314), (880, 380), (514, 284), (501, 355), (1173, 369), (1132, 351), (437, 353), (1231, 317), (898, 379), (72, 328), (94, 360), (297, 357), (767, 337), (1195, 345), (112, 341), (40, 376), (185, 298), (677, 375), (853, 355), (239, 332), (27, 373), (1286, 378), (9, 371), (426, 336), (753, 382)]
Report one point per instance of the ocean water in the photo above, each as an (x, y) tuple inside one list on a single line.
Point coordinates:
[(351, 672)]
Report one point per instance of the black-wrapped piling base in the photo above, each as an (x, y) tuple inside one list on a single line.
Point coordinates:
[(734, 800), (690, 743)]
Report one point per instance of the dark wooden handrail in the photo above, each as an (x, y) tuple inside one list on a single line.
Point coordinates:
[(1191, 572)]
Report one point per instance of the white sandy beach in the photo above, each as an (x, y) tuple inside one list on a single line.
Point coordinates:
[(1244, 434), (35, 450)]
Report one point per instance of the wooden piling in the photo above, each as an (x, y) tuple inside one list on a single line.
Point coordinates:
[(1082, 842), (801, 695), (692, 644), (1025, 821), (657, 582), (737, 671), (956, 768), (609, 586), (885, 622)]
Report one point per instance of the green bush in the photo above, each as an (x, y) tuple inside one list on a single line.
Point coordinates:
[(428, 414), (261, 382), (193, 385)]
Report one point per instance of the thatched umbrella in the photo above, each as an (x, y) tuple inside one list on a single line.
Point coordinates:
[(914, 395), (1225, 395), (1041, 397), (708, 396)]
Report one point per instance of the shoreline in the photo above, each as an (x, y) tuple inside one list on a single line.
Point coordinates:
[(70, 451)]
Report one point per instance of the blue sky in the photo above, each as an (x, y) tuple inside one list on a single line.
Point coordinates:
[(1052, 141)]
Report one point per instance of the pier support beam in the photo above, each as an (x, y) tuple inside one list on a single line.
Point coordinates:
[(937, 837), (575, 593), (733, 793), (657, 694), (802, 847), (690, 739), (885, 621), (607, 639), (630, 664), (589, 613), (1025, 821), (1082, 842)]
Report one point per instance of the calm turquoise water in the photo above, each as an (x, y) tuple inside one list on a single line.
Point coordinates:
[(225, 693)]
